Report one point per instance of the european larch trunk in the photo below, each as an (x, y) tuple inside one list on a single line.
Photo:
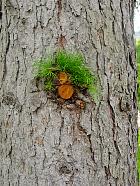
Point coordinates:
[(42, 144)]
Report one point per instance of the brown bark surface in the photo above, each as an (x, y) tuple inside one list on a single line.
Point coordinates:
[(42, 144)]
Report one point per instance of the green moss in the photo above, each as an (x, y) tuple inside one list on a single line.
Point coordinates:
[(71, 63), (74, 65)]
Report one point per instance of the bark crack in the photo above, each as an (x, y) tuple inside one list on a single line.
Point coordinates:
[(112, 113), (61, 38), (0, 10), (59, 3), (8, 42), (18, 67), (100, 7), (90, 31), (107, 172), (88, 136), (61, 128)]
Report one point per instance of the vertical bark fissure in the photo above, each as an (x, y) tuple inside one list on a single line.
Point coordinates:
[(0, 10), (61, 38), (100, 7), (60, 129), (124, 36), (7, 46), (18, 68), (112, 113), (59, 3)]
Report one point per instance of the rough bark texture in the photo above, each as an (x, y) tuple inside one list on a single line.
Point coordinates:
[(42, 144)]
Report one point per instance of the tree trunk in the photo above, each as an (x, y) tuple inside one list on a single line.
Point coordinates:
[(44, 144)]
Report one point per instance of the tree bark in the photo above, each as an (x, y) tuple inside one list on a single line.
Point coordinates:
[(44, 144)]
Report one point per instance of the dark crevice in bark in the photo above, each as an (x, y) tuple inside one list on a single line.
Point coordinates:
[(35, 166), (128, 84), (24, 62), (117, 149), (8, 42), (61, 41), (134, 100), (8, 172), (37, 18), (129, 150), (132, 6), (111, 6), (34, 35), (91, 149), (24, 59), (59, 3), (124, 36), (73, 12), (81, 129), (107, 172), (100, 32), (18, 180), (90, 31), (6, 51), (97, 112), (7, 46), (71, 180), (113, 28), (100, 137), (100, 7), (61, 128), (97, 62), (10, 152), (133, 137), (114, 18), (47, 24), (40, 19), (131, 61), (18, 66), (122, 14), (0, 9), (112, 113), (98, 67)]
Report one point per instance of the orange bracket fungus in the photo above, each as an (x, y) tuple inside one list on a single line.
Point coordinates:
[(65, 91), (63, 77)]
